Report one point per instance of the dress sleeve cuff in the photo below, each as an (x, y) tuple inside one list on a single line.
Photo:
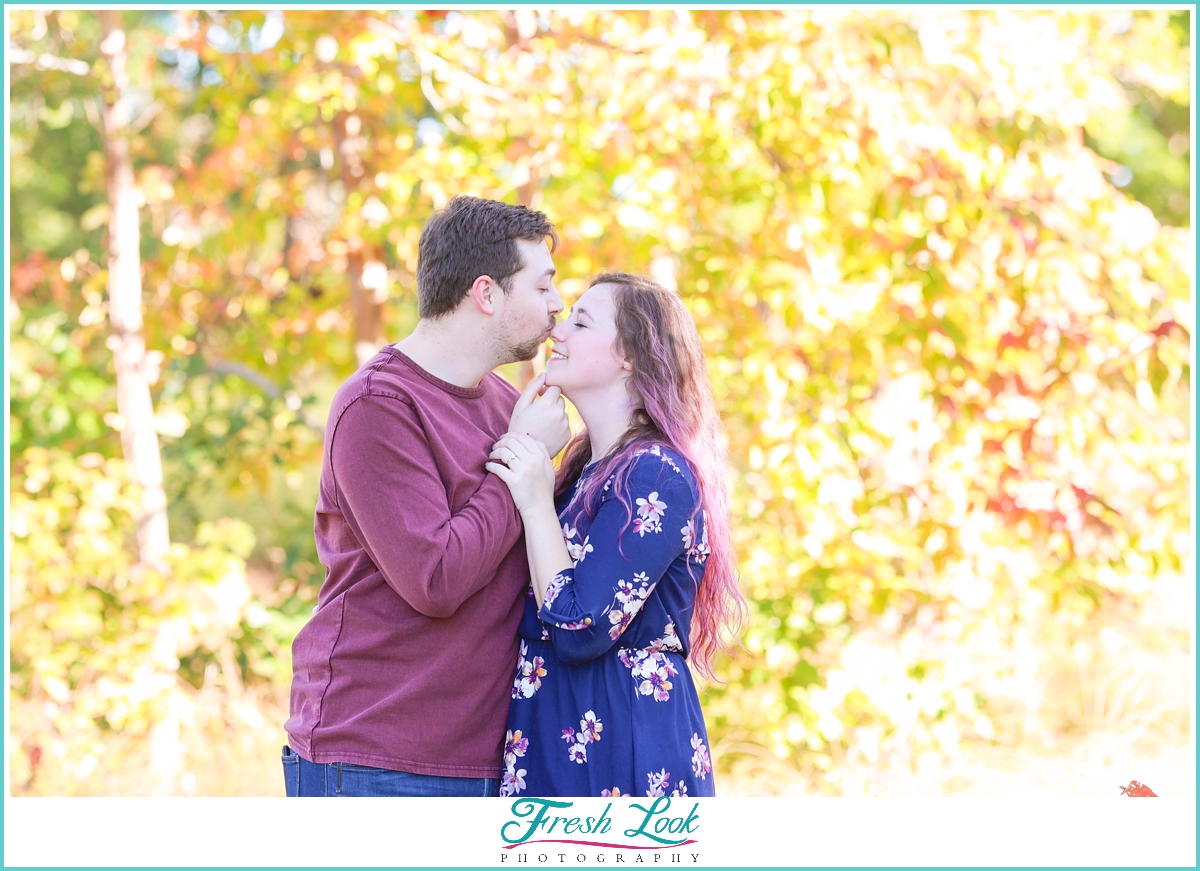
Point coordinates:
[(561, 608)]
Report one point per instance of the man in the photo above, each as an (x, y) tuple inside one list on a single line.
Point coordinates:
[(403, 676)]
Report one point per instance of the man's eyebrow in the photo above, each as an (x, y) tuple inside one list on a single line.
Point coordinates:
[(551, 271)]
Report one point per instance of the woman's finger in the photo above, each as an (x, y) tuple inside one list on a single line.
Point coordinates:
[(507, 441), (501, 471), (524, 440), (506, 450), (531, 392), (503, 454), (531, 448), (522, 446)]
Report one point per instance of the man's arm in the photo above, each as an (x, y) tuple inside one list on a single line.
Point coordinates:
[(395, 503)]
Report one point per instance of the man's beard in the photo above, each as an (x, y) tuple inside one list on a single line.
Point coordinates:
[(527, 350)]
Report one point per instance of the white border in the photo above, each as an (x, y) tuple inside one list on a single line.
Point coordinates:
[(743, 832)]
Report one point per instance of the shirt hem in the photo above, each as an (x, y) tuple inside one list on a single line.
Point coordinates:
[(435, 769)]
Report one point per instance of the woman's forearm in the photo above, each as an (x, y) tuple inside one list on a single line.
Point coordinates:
[(545, 548)]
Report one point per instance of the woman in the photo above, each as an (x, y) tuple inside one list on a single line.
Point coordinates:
[(631, 566)]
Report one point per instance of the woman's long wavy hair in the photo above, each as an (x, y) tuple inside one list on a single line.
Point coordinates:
[(673, 405)]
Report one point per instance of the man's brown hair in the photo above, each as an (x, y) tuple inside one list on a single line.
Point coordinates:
[(471, 237)]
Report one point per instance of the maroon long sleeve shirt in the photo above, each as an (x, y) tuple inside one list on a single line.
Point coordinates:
[(408, 661)]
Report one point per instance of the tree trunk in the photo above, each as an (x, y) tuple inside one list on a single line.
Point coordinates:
[(366, 297), (368, 308), (139, 440)]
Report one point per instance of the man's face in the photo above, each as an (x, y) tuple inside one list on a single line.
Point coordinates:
[(528, 312)]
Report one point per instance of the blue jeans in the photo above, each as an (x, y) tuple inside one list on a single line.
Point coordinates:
[(303, 778)]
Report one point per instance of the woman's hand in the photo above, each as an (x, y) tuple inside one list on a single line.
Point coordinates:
[(542, 413), (523, 463)]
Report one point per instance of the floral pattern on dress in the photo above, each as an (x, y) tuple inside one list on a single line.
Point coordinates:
[(590, 728), (660, 782), (652, 671), (633, 597), (513, 780), (670, 641), (555, 587), (529, 674), (701, 764), (577, 550), (650, 511), (575, 624), (628, 602), (656, 451), (515, 745), (697, 550)]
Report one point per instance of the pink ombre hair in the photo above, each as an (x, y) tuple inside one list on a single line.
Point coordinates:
[(673, 405)]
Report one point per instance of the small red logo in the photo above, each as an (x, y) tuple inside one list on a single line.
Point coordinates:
[(1138, 790)]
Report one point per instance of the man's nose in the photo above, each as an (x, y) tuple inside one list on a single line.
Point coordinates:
[(556, 300)]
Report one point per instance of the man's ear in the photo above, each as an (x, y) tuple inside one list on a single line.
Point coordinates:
[(483, 292)]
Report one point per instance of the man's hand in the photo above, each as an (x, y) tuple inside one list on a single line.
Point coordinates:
[(542, 413)]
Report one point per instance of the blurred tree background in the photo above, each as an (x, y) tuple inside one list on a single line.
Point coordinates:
[(941, 261)]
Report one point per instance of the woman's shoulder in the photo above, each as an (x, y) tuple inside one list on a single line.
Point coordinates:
[(661, 464)]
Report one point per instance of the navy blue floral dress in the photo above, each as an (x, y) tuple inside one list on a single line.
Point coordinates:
[(603, 703)]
